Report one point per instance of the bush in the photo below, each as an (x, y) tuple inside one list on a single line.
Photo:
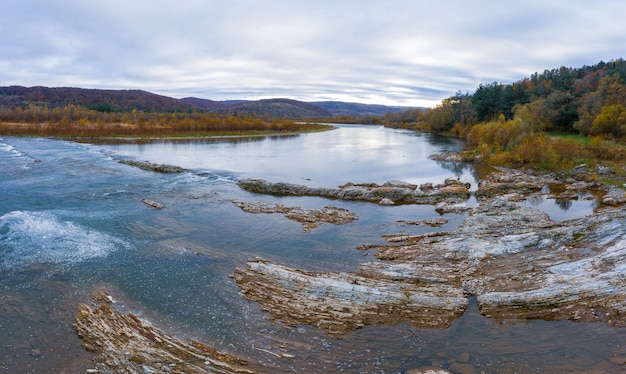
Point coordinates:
[(568, 151), (535, 149), (498, 135)]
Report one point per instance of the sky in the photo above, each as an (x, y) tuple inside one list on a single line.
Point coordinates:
[(390, 52)]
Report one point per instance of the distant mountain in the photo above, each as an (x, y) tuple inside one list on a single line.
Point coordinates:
[(340, 108), (293, 108), (205, 103), (274, 108), (103, 100), (277, 108), (128, 100)]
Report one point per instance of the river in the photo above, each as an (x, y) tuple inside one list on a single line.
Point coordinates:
[(72, 222)]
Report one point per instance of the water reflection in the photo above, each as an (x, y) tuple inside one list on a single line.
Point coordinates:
[(353, 153), (208, 140), (560, 209)]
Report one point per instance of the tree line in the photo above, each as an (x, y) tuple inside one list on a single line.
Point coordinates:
[(517, 123), (590, 101), (79, 121)]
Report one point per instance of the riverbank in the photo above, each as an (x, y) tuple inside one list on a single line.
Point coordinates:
[(515, 261), (131, 133)]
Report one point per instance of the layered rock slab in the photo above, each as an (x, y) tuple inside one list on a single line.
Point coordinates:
[(516, 261), (393, 192), (581, 277), (149, 166), (522, 265), (309, 218), (124, 343), (339, 303)]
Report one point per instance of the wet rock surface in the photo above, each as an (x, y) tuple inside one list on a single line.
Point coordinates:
[(339, 303), (123, 343), (159, 168), (516, 261), (455, 157), (522, 265), (309, 218), (435, 222), (153, 203), (389, 193)]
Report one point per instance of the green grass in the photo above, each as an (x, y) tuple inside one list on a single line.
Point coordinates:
[(584, 140)]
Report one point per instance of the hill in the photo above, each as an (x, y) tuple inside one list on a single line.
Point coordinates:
[(128, 100), (205, 104), (340, 108), (101, 100), (277, 108), (293, 108)]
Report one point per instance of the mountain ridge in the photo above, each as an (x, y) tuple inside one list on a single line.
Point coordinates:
[(106, 100)]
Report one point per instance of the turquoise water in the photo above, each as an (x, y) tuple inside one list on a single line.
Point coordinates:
[(72, 221)]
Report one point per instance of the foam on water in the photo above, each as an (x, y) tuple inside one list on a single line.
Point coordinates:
[(41, 237), (217, 175), (14, 154), (4, 147)]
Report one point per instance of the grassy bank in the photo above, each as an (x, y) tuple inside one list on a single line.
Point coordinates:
[(514, 144)]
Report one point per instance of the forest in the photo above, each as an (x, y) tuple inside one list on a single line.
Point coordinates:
[(553, 119)]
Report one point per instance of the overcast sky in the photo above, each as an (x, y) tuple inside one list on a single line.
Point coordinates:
[(395, 52)]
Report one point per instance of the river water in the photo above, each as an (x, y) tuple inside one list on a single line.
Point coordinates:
[(72, 222)]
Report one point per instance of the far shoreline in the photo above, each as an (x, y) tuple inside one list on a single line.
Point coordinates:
[(138, 138)]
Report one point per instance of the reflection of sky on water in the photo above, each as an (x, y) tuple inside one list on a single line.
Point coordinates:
[(563, 209), (350, 153)]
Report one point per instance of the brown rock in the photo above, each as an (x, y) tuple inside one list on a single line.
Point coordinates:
[(462, 368), (111, 335), (343, 302), (464, 357), (309, 219)]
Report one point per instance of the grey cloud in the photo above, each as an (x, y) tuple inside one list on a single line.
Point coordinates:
[(401, 52)]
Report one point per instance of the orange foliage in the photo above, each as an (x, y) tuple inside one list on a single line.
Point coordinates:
[(82, 122)]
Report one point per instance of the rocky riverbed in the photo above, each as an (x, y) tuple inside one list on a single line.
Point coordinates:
[(515, 260)]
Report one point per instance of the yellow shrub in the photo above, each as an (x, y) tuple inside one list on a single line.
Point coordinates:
[(535, 149), (568, 151)]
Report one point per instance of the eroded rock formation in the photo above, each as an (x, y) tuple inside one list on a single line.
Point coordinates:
[(522, 265), (309, 218), (340, 303), (394, 192), (159, 168), (514, 259), (123, 343)]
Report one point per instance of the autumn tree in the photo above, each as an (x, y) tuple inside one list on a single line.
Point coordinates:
[(441, 118), (610, 121), (612, 90), (588, 110)]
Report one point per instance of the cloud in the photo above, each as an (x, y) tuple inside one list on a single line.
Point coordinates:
[(402, 52)]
